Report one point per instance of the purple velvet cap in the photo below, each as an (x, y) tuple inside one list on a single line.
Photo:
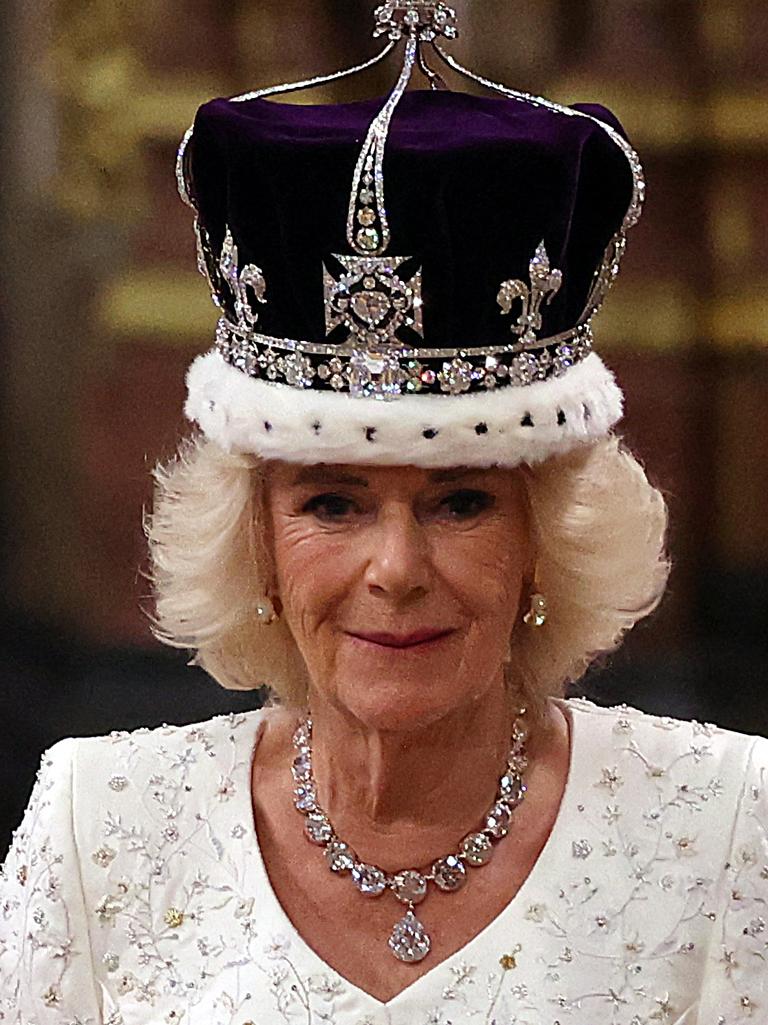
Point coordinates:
[(433, 247), (473, 185)]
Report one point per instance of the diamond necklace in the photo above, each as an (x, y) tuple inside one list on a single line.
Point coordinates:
[(409, 940)]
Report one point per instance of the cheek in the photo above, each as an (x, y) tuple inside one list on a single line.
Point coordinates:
[(312, 571), (485, 568)]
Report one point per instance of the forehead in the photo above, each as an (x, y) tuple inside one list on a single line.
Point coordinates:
[(382, 476)]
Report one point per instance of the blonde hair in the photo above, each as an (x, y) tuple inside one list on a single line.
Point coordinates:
[(598, 524)]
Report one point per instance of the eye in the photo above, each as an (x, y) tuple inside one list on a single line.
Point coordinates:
[(330, 507), (466, 504)]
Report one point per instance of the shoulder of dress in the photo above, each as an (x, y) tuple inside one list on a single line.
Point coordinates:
[(206, 732), (624, 714), (128, 786), (661, 740), (126, 762)]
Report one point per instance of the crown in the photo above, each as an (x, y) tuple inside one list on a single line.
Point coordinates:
[(400, 284)]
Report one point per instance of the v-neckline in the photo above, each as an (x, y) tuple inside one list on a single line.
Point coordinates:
[(274, 911)]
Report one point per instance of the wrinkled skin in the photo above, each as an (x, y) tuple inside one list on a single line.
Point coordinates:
[(398, 550)]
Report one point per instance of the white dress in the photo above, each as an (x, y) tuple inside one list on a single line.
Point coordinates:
[(135, 893)]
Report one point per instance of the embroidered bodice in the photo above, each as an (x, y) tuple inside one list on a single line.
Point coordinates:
[(134, 892)]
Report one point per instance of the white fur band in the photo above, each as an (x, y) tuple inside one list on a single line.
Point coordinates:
[(505, 427)]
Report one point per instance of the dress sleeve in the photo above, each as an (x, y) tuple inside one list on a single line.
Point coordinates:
[(735, 990), (46, 975)]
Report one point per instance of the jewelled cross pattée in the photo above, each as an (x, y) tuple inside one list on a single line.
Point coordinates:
[(373, 302), (545, 284), (409, 940)]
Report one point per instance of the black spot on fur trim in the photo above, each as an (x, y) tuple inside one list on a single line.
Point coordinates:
[(560, 418), (267, 426), (430, 433), (481, 428), (317, 427), (211, 405), (527, 421), (370, 434), (587, 412)]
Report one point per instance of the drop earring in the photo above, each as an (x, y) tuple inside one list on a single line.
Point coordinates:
[(537, 614), (266, 612)]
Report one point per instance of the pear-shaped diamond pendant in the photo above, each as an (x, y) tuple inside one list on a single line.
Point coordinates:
[(409, 941)]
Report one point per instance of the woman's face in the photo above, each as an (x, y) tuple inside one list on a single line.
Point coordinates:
[(401, 585)]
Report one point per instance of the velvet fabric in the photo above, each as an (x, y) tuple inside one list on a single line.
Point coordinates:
[(472, 186)]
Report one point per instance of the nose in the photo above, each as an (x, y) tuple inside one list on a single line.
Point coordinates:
[(399, 564)]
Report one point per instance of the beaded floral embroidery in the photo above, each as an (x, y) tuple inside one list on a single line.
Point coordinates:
[(132, 893)]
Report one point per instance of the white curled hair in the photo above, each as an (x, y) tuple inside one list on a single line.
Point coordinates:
[(598, 524)]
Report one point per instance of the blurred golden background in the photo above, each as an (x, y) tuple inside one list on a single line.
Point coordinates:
[(103, 309)]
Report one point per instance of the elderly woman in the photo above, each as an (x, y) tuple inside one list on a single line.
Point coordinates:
[(406, 512)]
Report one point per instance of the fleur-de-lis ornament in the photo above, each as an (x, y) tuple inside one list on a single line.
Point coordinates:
[(238, 280), (545, 284)]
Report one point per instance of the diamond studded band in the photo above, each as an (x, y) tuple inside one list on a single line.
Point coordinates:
[(402, 371)]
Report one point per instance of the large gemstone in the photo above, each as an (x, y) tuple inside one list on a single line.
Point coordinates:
[(304, 797), (371, 306), (293, 370), (340, 857), (318, 829), (477, 848), (368, 238), (498, 819), (370, 880), (524, 368), (512, 789), (449, 873), (409, 941), (410, 886), (362, 367), (374, 374), (302, 766)]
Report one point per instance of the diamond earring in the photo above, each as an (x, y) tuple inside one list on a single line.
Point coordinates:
[(266, 611), (537, 614)]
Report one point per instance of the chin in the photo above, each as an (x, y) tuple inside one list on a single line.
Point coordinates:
[(396, 717), (406, 700)]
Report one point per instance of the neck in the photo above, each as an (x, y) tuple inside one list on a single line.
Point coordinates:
[(391, 793)]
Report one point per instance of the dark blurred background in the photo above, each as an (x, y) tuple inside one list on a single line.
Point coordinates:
[(102, 310)]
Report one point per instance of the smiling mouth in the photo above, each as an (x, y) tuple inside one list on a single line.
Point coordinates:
[(420, 639)]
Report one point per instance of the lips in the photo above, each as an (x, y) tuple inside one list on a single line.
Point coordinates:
[(416, 639)]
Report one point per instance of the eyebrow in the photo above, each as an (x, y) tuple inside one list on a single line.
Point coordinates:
[(327, 475)]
